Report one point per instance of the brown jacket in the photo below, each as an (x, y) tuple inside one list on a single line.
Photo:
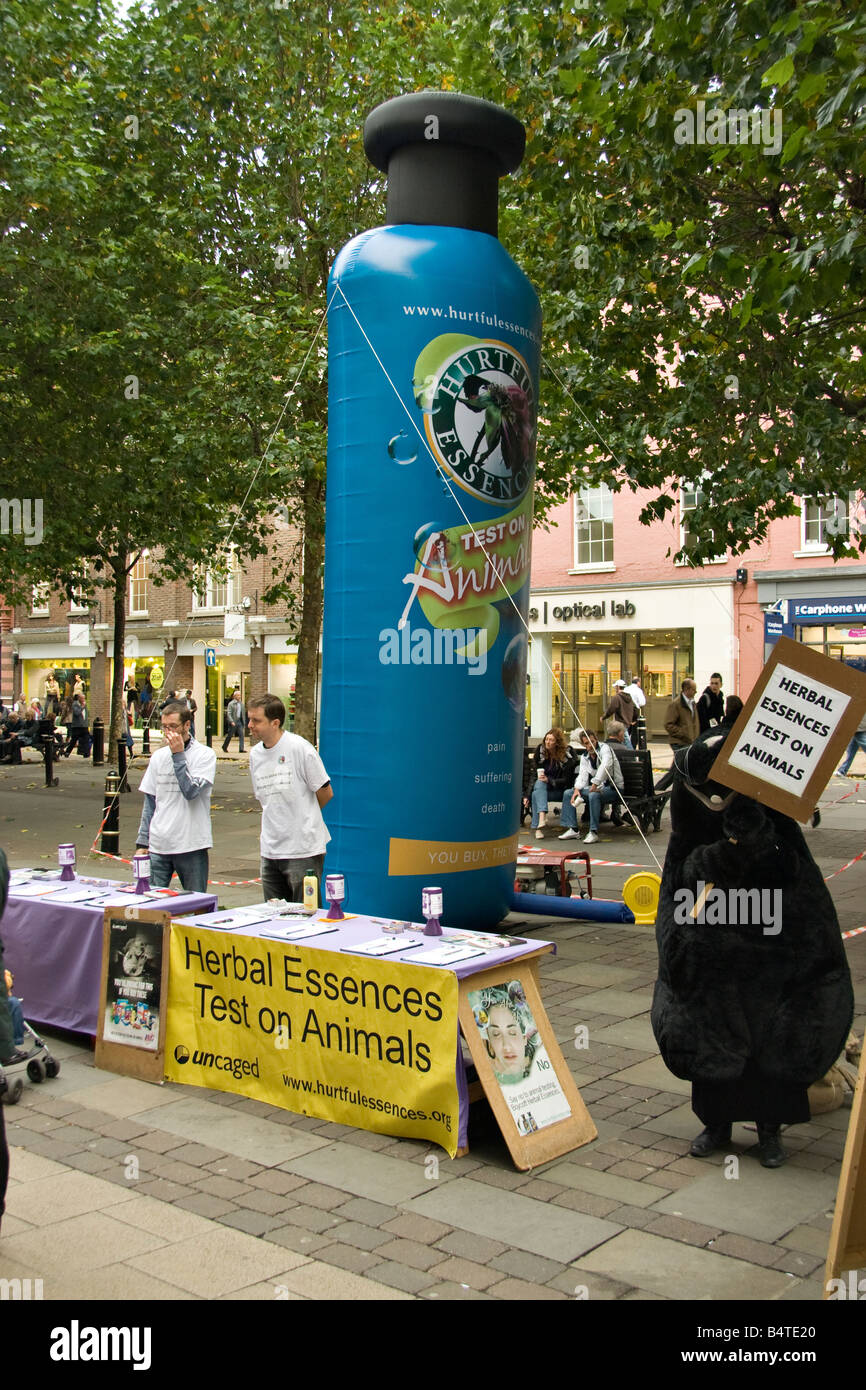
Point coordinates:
[(621, 706), (681, 724)]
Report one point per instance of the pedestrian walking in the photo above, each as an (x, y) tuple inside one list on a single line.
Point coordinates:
[(235, 719)]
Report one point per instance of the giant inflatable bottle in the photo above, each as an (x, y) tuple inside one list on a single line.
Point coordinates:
[(434, 342)]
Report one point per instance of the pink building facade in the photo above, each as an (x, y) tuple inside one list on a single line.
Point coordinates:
[(608, 601)]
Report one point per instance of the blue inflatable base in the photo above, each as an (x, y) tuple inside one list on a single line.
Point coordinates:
[(589, 909)]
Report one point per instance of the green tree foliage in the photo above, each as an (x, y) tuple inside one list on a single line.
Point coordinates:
[(704, 302)]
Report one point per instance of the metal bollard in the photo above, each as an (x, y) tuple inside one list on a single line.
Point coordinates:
[(48, 747), (640, 732), (121, 766), (145, 741), (110, 842), (98, 742)]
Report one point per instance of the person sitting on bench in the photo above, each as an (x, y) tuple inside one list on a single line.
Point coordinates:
[(599, 780)]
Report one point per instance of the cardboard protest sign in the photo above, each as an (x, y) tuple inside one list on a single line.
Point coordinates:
[(793, 730)]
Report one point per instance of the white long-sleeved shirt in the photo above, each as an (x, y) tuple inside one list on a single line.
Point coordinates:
[(607, 770)]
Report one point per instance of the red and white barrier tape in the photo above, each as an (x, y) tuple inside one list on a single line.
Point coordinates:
[(836, 872), (858, 931)]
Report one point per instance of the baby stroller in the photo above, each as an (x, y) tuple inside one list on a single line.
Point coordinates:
[(31, 1059)]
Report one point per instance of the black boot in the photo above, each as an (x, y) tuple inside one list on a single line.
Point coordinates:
[(772, 1153), (712, 1138)]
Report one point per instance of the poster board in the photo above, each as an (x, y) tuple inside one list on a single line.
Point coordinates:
[(847, 1250), (522, 1071), (133, 993), (793, 730)]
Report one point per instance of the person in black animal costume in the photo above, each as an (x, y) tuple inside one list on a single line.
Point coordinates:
[(751, 1012)]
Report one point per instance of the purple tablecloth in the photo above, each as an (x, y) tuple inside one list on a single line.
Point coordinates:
[(55, 954)]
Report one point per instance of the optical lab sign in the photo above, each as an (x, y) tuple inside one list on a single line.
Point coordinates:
[(581, 610), (795, 726)]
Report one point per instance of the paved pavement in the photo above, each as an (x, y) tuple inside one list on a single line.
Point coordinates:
[(123, 1190)]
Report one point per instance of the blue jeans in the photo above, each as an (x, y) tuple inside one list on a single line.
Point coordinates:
[(191, 869), (858, 741), (595, 801), (17, 1014)]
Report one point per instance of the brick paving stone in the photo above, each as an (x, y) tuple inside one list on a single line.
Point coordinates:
[(806, 1241), (275, 1180), (692, 1167), (32, 1120), (110, 1148), (468, 1246), (87, 1162), (357, 1234), (541, 1189), (619, 1148), (587, 1202), (573, 1283), (240, 1169), (459, 1271), (365, 1140), (756, 1252), (631, 1168), (410, 1226), (173, 1171), (49, 1148), (672, 1182), (818, 1162), (222, 1187), (637, 1218), (520, 1264), (656, 1158), (123, 1129), (326, 1198), (205, 1204), (677, 1228), (518, 1291), (197, 1154), (254, 1223), (56, 1106), (157, 1142), (311, 1218), (794, 1262), (453, 1293), (118, 1176), (398, 1276), (268, 1203), (163, 1190), (365, 1210), (346, 1257), (410, 1252), (297, 1239), (592, 1158)]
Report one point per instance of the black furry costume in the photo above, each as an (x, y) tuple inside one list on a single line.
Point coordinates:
[(751, 1019)]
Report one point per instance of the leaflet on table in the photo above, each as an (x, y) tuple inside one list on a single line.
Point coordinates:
[(34, 890), (116, 900), (447, 955), (383, 945), (73, 894), (297, 931), (227, 921)]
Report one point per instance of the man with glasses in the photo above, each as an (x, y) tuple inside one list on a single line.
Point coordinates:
[(177, 786)]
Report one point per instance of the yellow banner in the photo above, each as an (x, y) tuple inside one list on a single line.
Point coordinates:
[(449, 856), (354, 1039)]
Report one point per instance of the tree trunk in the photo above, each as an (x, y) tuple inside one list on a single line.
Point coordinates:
[(117, 712), (306, 681)]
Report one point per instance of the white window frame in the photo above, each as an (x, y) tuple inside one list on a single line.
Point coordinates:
[(214, 595), (582, 501), (40, 600), (826, 508), (694, 489), (76, 604), (136, 579)]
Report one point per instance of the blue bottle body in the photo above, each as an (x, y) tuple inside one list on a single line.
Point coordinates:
[(434, 339)]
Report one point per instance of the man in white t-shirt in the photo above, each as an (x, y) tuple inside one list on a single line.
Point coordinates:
[(175, 824), (291, 783)]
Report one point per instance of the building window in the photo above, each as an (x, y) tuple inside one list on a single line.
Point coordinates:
[(78, 603), (593, 528), (218, 590), (138, 578), (822, 517), (41, 600), (691, 497)]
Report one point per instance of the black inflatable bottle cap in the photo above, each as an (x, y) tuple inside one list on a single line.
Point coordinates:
[(444, 154)]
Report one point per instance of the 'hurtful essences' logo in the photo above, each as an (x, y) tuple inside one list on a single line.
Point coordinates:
[(479, 413)]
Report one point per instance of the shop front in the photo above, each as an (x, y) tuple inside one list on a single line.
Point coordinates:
[(583, 642), (825, 612)]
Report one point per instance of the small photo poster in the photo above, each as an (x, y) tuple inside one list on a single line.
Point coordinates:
[(133, 984), (519, 1059)]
